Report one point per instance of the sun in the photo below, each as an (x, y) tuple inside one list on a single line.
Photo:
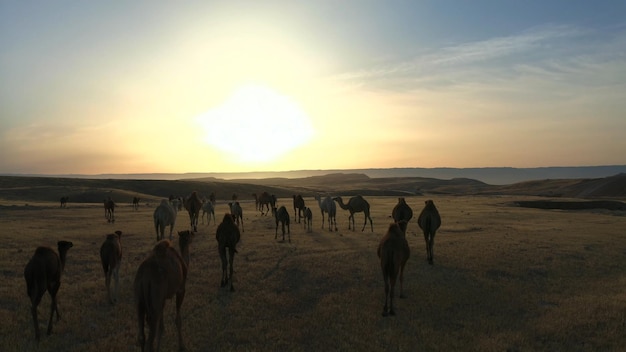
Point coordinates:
[(256, 124)]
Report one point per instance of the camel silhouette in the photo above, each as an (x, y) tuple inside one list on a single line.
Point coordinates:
[(308, 219), (193, 205), (356, 204), (298, 207), (402, 211), (266, 201), (159, 277), (429, 221), (109, 210), (393, 251), (111, 258), (136, 203), (64, 201), (227, 236), (208, 208), (43, 273), (282, 216)]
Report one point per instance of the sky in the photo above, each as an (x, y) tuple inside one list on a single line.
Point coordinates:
[(92, 87)]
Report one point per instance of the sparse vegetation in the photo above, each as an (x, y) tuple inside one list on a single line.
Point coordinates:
[(506, 278)]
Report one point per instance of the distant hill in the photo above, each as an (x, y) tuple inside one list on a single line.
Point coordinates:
[(81, 190), (488, 175)]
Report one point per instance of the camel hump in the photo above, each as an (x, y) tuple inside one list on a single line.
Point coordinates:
[(161, 247)]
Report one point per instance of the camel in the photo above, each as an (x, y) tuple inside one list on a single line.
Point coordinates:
[(308, 219), (208, 208), (328, 206), (267, 201), (164, 215), (282, 216), (212, 198), (227, 236), (193, 206), (159, 277), (136, 203), (356, 204), (298, 203), (402, 211), (64, 202), (111, 258), (109, 210), (237, 213), (43, 273), (429, 221), (393, 251)]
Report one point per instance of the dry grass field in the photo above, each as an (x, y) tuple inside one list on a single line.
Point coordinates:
[(505, 278)]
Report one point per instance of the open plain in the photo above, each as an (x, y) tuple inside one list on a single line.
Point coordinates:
[(505, 278)]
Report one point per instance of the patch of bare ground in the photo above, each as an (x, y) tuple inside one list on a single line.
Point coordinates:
[(504, 278)]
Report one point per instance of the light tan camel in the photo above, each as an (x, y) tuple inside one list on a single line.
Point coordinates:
[(227, 236), (193, 205), (402, 211), (111, 259), (164, 215), (298, 207), (393, 251), (208, 208), (329, 207), (43, 273), (282, 216), (160, 276), (109, 210), (308, 219), (356, 204), (237, 212), (429, 221)]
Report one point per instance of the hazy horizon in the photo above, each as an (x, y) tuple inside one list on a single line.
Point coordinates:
[(231, 87)]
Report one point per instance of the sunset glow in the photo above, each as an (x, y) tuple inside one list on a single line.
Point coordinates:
[(282, 85)]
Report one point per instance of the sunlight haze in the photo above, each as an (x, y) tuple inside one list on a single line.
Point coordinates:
[(208, 86)]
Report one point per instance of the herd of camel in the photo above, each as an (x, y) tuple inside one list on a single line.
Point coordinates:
[(163, 274)]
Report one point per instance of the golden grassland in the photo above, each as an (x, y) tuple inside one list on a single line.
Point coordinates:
[(505, 279)]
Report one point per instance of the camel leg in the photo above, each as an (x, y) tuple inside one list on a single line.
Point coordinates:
[(116, 273), (53, 308), (232, 258), (180, 296), (392, 283), (401, 280), (107, 284), (431, 247), (33, 311), (224, 264), (385, 308)]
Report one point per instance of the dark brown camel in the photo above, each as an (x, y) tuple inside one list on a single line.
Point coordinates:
[(298, 207), (227, 236), (43, 273), (308, 219), (266, 201), (356, 204), (160, 276), (237, 212), (393, 252), (402, 211), (111, 259), (282, 216), (193, 205), (109, 210), (64, 202), (429, 221), (329, 207), (136, 203)]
